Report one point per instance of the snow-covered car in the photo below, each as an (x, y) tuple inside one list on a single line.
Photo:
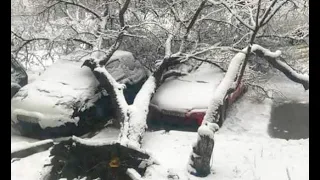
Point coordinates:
[(67, 100), (19, 77), (185, 99)]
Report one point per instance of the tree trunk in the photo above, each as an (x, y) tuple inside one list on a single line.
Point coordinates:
[(200, 165)]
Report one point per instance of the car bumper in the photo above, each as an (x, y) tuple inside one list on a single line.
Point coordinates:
[(186, 117), (32, 124)]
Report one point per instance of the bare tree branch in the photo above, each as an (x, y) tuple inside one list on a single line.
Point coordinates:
[(258, 13), (208, 61), (273, 13), (122, 11), (26, 41), (73, 4), (266, 13), (236, 16)]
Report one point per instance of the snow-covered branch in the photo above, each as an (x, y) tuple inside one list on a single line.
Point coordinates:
[(274, 60)]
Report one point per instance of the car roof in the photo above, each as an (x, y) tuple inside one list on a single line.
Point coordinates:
[(122, 66), (192, 91)]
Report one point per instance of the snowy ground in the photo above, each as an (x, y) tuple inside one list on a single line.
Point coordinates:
[(243, 148)]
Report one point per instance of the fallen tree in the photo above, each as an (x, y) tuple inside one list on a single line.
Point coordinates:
[(199, 162), (69, 160)]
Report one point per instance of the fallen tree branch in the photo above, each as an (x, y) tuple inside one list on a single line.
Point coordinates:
[(283, 67), (31, 148)]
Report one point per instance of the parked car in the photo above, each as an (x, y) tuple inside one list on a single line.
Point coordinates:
[(66, 99), (19, 77), (185, 99)]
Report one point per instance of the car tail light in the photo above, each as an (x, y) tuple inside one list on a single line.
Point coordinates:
[(237, 93), (198, 116)]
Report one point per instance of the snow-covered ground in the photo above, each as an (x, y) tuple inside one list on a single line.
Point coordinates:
[(243, 148)]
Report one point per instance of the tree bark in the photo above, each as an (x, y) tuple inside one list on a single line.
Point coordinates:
[(200, 158)]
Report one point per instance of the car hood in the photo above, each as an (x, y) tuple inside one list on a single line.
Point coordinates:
[(50, 102), (54, 95), (188, 92)]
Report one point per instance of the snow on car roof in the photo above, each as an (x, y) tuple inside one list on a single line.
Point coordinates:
[(192, 91)]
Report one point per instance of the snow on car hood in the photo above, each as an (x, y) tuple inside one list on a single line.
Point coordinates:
[(188, 92)]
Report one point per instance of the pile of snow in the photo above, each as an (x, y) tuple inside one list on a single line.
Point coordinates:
[(234, 156), (31, 167)]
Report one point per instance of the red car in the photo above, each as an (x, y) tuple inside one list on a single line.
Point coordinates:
[(185, 99)]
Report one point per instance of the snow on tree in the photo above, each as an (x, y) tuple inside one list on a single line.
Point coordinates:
[(132, 118)]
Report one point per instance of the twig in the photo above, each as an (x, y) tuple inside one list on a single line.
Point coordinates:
[(208, 61)]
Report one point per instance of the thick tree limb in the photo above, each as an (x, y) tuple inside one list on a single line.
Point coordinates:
[(189, 27)]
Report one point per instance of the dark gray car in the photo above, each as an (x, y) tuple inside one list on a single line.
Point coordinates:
[(19, 77), (66, 99)]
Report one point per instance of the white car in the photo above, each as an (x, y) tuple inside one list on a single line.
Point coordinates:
[(66, 99)]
